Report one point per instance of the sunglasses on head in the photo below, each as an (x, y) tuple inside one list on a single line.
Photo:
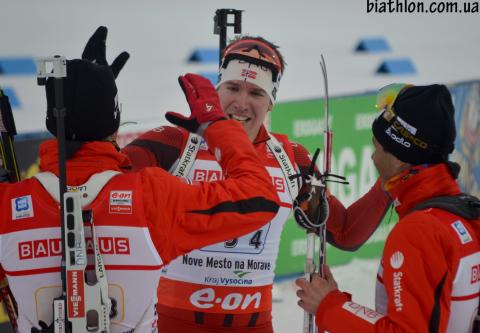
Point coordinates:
[(256, 52), (386, 97)]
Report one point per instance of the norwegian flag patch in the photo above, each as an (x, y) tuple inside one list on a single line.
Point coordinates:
[(249, 74)]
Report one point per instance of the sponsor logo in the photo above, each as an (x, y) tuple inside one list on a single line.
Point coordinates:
[(285, 166), (240, 274), (206, 299), (22, 207), (75, 294), (203, 144), (120, 202), (407, 126), (249, 74), (59, 315), (475, 275), (186, 159), (158, 129), (53, 247), (363, 312), (279, 184), (396, 260), (397, 125), (202, 175), (208, 107), (397, 139), (80, 188), (462, 232), (397, 291), (213, 280)]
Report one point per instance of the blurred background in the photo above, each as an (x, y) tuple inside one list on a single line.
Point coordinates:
[(363, 52)]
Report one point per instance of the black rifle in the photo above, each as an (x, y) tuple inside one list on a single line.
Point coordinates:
[(221, 24), (59, 66), (83, 306)]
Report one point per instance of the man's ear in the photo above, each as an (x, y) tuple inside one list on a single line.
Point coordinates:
[(270, 107)]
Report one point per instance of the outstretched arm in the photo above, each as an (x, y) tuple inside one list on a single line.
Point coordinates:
[(349, 228)]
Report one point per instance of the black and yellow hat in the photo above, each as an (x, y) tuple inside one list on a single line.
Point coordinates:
[(417, 124)]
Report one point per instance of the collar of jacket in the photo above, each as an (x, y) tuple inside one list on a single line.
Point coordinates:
[(418, 184), (93, 157), (262, 136)]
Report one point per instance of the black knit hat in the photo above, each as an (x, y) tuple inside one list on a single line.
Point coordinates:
[(90, 98), (421, 128)]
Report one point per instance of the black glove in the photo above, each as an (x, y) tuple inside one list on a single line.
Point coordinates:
[(95, 51), (204, 104), (310, 208)]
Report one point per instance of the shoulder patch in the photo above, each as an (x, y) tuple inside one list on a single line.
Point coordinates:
[(462, 232), (22, 207), (120, 202)]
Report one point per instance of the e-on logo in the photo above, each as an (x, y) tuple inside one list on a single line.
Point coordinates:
[(206, 299)]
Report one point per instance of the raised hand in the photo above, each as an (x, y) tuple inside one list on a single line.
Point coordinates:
[(95, 51), (203, 101)]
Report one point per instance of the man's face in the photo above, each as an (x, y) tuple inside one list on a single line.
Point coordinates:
[(387, 165), (246, 103)]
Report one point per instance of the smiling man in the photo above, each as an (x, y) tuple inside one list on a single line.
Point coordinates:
[(227, 287)]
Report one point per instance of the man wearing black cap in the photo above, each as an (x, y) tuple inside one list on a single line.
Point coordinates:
[(143, 220), (428, 280)]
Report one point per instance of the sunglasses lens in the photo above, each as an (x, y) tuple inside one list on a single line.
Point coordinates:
[(256, 50), (387, 95)]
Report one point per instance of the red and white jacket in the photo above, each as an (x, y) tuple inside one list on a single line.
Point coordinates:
[(236, 277), (429, 277), (142, 220)]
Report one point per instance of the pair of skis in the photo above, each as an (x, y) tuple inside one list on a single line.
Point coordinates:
[(320, 184)]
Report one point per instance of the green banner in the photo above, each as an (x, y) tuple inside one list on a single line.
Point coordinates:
[(350, 120)]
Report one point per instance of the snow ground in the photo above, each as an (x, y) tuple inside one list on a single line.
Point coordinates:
[(357, 278)]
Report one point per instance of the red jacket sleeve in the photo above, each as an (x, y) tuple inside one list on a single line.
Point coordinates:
[(158, 147), (185, 217), (418, 273), (348, 228)]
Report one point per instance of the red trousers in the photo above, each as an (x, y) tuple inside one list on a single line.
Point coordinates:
[(172, 320)]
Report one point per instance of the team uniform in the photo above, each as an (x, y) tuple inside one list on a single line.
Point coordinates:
[(227, 286), (143, 221), (428, 280)]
